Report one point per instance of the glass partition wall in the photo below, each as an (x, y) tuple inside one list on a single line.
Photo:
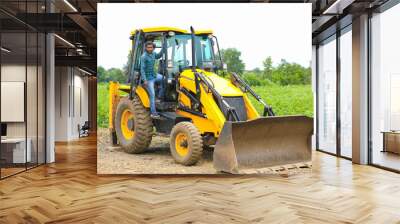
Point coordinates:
[(13, 86), (345, 61), (334, 105), (327, 96), (22, 77), (334, 91), (385, 89)]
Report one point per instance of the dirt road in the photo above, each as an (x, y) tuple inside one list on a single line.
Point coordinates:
[(158, 160)]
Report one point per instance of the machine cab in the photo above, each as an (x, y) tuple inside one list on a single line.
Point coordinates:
[(177, 55)]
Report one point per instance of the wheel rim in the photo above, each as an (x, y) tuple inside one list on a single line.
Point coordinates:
[(127, 124), (181, 144)]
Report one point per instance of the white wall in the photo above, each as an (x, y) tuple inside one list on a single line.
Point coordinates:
[(61, 103), (71, 94)]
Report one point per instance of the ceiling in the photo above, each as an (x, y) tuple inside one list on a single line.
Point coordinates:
[(73, 21), (332, 15)]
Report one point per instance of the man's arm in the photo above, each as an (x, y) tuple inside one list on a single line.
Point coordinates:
[(159, 54), (142, 68)]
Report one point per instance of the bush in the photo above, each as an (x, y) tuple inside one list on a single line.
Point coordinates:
[(112, 74), (252, 79), (291, 74)]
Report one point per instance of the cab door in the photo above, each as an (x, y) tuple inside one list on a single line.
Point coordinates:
[(134, 61)]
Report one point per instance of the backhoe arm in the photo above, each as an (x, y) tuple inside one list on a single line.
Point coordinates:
[(239, 82), (231, 112)]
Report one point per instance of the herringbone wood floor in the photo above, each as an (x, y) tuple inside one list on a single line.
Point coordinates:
[(69, 191)]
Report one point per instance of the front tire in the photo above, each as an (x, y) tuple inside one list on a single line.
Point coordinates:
[(133, 125), (186, 143)]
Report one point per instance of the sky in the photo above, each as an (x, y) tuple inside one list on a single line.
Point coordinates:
[(282, 31)]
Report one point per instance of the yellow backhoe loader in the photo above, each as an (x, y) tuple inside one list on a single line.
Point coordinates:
[(200, 108)]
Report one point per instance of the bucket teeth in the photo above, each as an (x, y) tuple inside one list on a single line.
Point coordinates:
[(263, 142)]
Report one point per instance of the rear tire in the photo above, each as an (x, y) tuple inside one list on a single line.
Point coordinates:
[(186, 143), (134, 139)]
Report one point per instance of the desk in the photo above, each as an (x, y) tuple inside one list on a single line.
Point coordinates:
[(13, 150), (391, 141)]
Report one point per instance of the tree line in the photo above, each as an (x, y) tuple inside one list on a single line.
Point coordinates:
[(285, 73)]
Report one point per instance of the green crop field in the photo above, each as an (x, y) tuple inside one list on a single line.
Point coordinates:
[(285, 100), (102, 104)]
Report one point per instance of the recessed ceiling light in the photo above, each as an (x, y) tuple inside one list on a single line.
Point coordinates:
[(5, 50), (64, 40), (86, 72), (70, 5), (338, 6)]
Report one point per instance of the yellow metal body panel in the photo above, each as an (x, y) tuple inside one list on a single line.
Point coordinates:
[(159, 29), (167, 29), (250, 109), (124, 88), (200, 32), (204, 125), (221, 85), (140, 91), (215, 119), (144, 97), (185, 100), (112, 102)]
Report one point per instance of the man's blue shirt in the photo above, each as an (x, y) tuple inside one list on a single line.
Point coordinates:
[(147, 62)]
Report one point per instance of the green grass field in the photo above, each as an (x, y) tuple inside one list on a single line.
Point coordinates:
[(285, 100), (102, 105)]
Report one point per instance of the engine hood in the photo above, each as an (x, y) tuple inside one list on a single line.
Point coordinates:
[(223, 86)]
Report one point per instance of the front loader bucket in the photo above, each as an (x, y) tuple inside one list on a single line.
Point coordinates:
[(263, 142)]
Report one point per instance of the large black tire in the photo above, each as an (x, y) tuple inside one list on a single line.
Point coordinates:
[(142, 126), (190, 154)]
